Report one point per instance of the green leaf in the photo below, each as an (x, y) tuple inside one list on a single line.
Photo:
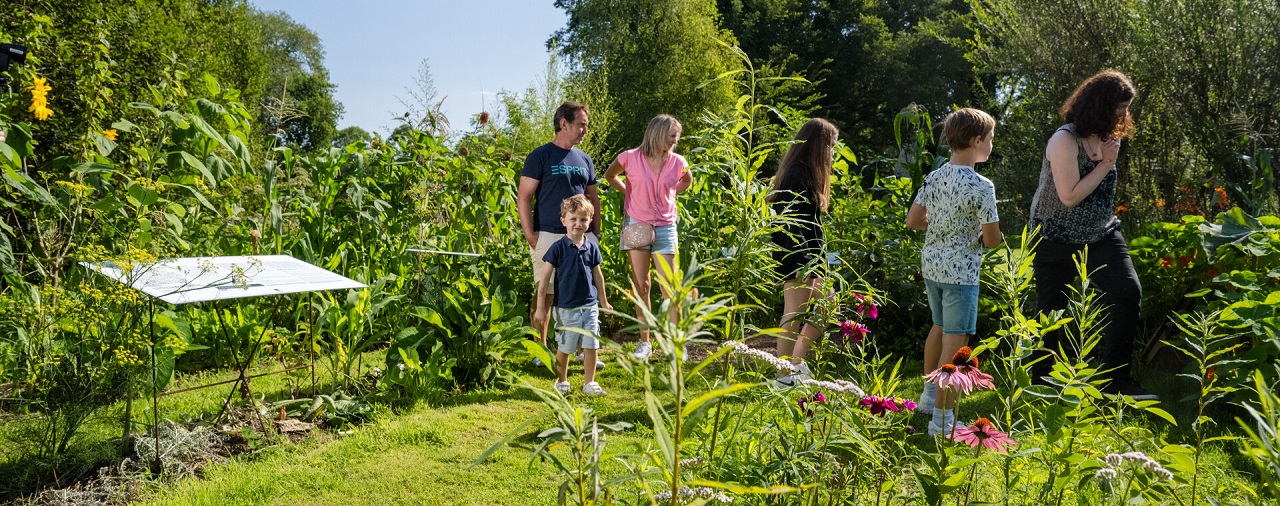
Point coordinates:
[(539, 352), (696, 403)]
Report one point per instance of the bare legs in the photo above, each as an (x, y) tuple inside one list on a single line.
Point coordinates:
[(588, 365), (939, 347), (798, 336), (643, 283)]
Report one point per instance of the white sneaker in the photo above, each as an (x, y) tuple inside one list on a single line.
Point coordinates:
[(580, 357), (795, 378), (592, 390), (947, 423), (643, 350), (563, 387), (927, 398)]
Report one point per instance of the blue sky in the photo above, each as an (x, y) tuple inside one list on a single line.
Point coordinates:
[(373, 49)]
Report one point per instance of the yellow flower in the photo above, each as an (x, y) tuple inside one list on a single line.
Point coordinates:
[(40, 99), (110, 133)]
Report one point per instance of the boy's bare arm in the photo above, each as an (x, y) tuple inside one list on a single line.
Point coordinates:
[(548, 271), (917, 217), (991, 236), (597, 277)]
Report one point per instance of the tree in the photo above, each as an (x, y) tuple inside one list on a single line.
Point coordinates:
[(867, 59), (351, 134), (299, 105), (649, 56)]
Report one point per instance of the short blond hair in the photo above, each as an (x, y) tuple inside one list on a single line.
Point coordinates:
[(963, 125), (576, 204), (659, 127)]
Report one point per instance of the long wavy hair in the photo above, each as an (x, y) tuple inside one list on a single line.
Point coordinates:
[(1092, 107), (811, 153)]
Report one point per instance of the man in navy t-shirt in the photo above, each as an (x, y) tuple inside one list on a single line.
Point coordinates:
[(552, 173)]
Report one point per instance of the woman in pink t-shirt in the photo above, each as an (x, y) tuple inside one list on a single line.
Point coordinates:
[(655, 174)]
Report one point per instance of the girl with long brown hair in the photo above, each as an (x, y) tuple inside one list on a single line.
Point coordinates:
[(802, 191)]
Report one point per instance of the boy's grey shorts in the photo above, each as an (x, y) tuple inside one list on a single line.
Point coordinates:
[(586, 318)]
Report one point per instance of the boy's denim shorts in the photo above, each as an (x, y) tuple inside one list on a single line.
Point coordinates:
[(954, 307), (664, 237), (569, 326)]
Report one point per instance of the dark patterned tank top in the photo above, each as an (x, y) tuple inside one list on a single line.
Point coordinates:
[(1090, 220)]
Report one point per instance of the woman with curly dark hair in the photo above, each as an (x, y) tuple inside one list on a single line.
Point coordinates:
[(1074, 209)]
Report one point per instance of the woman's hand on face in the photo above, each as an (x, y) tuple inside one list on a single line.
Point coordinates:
[(1110, 150)]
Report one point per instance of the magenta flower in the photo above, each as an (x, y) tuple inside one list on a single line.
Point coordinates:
[(983, 433), (879, 405), (818, 397), (846, 328), (860, 331), (866, 307), (908, 404), (804, 401)]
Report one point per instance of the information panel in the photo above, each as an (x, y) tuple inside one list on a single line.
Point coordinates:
[(200, 279)]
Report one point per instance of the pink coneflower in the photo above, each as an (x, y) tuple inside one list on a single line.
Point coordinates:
[(983, 433), (908, 404), (948, 377), (966, 364), (846, 328)]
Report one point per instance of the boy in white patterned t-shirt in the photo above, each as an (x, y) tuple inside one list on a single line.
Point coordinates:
[(957, 208)]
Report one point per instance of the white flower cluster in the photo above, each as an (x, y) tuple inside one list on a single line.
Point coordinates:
[(692, 463), (1140, 460), (740, 347), (835, 386), (693, 493)]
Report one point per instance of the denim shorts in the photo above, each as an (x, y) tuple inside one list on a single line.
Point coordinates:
[(954, 307), (569, 326), (664, 237)]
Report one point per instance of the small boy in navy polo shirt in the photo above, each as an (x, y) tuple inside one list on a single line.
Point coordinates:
[(573, 263)]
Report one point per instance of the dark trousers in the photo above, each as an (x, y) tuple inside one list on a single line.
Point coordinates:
[(1113, 275)]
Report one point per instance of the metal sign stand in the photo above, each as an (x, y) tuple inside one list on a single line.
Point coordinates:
[(209, 279)]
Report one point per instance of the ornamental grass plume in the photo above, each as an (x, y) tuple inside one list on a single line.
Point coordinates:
[(983, 434), (741, 348), (834, 386), (40, 99)]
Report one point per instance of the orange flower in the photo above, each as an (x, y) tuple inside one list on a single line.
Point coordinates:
[(1159, 203), (1213, 273), (1184, 260), (1221, 201), (1165, 262), (1122, 208)]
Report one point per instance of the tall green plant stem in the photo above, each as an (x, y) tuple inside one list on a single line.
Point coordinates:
[(715, 426)]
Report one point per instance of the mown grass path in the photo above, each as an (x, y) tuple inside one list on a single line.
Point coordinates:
[(418, 456)]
